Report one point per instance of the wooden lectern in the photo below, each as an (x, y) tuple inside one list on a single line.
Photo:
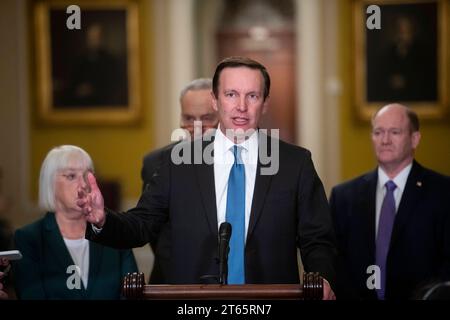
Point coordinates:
[(134, 287)]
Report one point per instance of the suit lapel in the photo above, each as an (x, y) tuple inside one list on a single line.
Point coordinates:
[(367, 209), (57, 248), (205, 178), (95, 257), (55, 242), (262, 183), (410, 196)]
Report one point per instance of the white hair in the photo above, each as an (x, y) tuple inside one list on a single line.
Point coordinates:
[(58, 159), (197, 84)]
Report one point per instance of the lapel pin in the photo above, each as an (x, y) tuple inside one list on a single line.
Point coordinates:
[(419, 183)]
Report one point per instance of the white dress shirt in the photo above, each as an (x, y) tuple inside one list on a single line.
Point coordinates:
[(400, 182), (223, 161)]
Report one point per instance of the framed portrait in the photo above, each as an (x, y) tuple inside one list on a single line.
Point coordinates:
[(90, 74), (404, 60)]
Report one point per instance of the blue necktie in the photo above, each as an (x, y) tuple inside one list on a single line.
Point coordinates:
[(385, 225), (235, 215)]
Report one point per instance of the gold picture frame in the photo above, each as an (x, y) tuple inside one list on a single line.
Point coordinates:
[(89, 75), (404, 61)]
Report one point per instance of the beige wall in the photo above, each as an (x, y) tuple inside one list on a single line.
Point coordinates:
[(14, 110)]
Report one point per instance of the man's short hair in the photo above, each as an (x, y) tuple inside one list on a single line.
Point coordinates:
[(197, 84), (413, 118), (236, 62)]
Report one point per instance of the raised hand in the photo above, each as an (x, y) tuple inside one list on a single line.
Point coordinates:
[(91, 202)]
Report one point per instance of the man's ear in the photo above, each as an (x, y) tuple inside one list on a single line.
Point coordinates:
[(214, 101), (415, 137), (266, 105)]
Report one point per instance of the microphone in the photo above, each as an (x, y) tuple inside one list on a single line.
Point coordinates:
[(224, 248)]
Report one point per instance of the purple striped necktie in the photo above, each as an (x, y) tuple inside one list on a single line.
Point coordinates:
[(385, 225)]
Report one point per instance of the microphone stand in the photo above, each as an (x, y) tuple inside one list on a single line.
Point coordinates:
[(223, 250), (223, 267)]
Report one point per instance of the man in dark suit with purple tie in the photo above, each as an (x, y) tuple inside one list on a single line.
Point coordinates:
[(392, 224)]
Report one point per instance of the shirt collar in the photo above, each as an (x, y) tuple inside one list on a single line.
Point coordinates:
[(399, 180), (222, 145)]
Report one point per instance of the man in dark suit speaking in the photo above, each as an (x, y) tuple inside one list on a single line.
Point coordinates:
[(392, 224), (266, 189)]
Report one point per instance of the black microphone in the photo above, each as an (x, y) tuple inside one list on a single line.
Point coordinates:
[(224, 248)]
